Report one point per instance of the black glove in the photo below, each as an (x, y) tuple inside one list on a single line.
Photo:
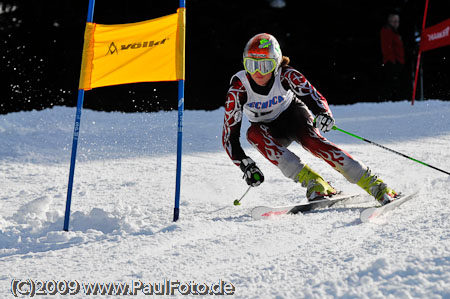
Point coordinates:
[(252, 174), (324, 122)]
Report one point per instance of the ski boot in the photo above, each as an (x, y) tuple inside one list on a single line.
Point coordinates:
[(375, 187), (316, 187)]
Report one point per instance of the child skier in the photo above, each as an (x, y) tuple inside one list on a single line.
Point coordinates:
[(278, 101)]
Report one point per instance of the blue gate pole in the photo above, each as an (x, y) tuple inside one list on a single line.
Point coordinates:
[(76, 132), (176, 211)]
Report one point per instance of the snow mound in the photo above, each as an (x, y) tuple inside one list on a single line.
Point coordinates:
[(37, 227)]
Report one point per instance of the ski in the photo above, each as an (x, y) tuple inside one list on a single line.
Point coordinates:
[(264, 212), (369, 214)]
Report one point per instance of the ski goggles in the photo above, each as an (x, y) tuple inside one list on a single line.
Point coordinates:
[(264, 66)]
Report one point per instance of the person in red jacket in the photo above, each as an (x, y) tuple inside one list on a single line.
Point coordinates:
[(280, 102), (393, 56)]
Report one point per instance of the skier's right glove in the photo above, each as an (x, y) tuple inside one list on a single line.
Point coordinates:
[(252, 174)]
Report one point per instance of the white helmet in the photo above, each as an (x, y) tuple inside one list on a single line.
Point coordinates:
[(262, 47)]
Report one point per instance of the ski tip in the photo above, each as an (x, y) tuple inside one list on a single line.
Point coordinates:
[(370, 214), (263, 212), (367, 215)]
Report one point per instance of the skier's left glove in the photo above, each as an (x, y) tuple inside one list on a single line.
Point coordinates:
[(252, 174), (324, 121)]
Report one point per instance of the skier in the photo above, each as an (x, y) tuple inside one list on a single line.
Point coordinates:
[(278, 100)]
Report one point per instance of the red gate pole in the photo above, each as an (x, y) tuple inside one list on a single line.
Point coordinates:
[(420, 53)]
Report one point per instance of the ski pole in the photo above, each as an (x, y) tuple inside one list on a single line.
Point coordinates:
[(391, 150), (237, 202)]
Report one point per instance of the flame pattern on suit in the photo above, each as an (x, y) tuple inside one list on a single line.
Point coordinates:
[(267, 145)]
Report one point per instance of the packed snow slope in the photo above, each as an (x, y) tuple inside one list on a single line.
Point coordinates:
[(121, 227)]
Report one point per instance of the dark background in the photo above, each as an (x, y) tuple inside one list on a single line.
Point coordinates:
[(335, 44)]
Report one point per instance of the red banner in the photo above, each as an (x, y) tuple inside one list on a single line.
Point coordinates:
[(435, 36)]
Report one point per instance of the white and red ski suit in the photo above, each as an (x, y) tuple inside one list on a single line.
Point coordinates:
[(280, 113)]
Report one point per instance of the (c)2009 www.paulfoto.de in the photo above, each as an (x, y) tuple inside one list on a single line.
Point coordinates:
[(33, 287)]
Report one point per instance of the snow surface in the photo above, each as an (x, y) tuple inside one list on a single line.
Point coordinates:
[(121, 225)]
